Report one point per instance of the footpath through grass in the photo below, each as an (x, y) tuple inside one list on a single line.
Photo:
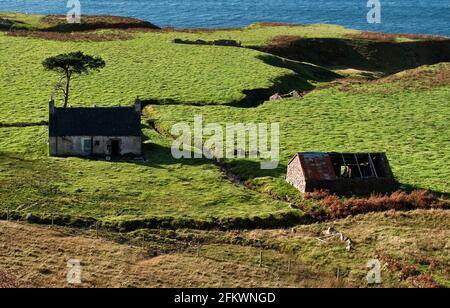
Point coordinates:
[(410, 123)]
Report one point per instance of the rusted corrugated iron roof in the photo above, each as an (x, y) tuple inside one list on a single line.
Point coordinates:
[(317, 166)]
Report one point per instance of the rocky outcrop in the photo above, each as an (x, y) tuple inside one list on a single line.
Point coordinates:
[(229, 43)]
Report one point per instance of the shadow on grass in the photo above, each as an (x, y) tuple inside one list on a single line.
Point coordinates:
[(11, 157), (68, 28), (385, 56), (300, 80), (306, 71), (6, 24), (158, 156), (237, 170), (23, 124), (58, 23), (445, 195), (437, 193), (249, 169)]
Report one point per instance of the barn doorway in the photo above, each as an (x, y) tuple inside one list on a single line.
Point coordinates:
[(115, 148)]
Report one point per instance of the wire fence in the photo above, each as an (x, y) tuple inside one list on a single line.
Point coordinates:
[(152, 243)]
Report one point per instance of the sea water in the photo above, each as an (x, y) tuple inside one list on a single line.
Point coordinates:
[(397, 16)]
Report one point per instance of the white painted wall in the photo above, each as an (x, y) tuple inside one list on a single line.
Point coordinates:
[(73, 145)]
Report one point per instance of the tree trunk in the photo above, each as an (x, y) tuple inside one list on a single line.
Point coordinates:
[(66, 92)]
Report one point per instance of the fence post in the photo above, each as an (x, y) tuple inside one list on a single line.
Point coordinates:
[(289, 266), (260, 257)]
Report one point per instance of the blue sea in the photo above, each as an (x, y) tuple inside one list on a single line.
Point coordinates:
[(397, 16)]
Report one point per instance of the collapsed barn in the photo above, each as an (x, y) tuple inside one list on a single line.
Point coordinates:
[(342, 173)]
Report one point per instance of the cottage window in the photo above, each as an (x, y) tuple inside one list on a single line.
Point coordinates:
[(86, 145)]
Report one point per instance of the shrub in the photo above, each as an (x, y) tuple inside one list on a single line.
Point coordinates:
[(409, 271), (75, 36), (424, 280), (399, 200), (386, 37), (316, 195), (8, 282)]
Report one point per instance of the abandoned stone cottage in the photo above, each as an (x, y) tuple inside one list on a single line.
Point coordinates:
[(104, 132), (341, 173)]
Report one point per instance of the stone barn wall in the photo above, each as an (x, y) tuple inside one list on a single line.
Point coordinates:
[(295, 175)]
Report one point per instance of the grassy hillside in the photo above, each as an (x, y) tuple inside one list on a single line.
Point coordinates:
[(154, 68), (163, 188), (21, 21), (370, 53), (180, 212), (55, 23), (402, 115), (409, 246)]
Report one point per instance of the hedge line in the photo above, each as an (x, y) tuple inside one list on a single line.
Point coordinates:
[(265, 222)]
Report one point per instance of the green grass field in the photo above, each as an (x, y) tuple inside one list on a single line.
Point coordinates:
[(154, 67), (149, 66), (160, 188), (23, 21), (410, 124)]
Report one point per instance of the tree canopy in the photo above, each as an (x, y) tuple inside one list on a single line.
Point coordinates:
[(74, 63)]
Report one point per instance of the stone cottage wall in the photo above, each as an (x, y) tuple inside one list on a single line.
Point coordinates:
[(73, 145)]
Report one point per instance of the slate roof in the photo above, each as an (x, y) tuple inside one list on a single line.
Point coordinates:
[(115, 121)]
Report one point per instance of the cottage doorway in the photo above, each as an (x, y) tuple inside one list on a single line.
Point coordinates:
[(115, 148)]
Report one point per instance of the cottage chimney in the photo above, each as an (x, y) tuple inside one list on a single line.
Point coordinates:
[(137, 105), (51, 105)]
